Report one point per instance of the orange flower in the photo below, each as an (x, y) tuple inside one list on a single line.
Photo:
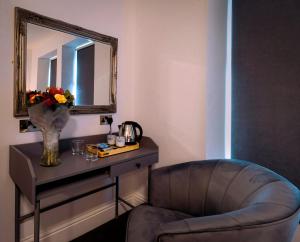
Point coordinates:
[(32, 98)]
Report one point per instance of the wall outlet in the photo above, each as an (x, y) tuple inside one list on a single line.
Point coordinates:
[(103, 120), (25, 125)]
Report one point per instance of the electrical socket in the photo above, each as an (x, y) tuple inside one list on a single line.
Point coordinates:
[(25, 125), (103, 120)]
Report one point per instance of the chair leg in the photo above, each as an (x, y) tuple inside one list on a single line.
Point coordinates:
[(149, 183)]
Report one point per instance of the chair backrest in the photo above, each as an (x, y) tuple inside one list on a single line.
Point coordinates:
[(212, 187)]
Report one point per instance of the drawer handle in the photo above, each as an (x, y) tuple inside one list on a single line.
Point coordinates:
[(138, 165)]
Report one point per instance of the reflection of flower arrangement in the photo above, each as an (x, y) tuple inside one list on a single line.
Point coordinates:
[(53, 97)]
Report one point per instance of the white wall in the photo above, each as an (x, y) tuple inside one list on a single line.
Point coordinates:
[(52, 42), (170, 63), (163, 70), (179, 75)]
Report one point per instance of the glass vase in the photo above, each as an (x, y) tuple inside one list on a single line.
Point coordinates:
[(50, 156)]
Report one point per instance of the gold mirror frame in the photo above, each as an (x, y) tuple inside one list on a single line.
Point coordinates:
[(22, 18)]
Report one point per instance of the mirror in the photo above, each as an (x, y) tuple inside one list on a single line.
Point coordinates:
[(50, 52)]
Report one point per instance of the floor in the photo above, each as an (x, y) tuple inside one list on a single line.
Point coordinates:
[(113, 231)]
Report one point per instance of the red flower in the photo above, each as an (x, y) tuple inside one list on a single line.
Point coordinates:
[(53, 90), (49, 102)]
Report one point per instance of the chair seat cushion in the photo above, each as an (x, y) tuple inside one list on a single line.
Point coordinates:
[(144, 221)]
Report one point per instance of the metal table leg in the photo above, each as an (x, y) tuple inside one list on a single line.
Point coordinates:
[(117, 198), (17, 214), (149, 182), (37, 221)]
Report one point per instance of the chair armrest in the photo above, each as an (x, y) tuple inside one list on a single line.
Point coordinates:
[(199, 224), (247, 221)]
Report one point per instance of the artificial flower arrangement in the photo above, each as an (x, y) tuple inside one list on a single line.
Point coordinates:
[(53, 97)]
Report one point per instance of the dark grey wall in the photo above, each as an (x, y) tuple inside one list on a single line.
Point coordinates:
[(266, 84), (85, 75)]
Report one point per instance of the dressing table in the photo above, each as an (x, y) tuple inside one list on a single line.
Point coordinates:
[(36, 182)]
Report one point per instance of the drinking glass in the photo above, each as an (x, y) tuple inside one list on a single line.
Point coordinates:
[(78, 147), (90, 156)]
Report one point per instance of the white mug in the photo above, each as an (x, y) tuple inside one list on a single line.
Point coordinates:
[(111, 139), (120, 141)]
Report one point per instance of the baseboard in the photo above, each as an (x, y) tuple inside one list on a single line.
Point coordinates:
[(82, 224)]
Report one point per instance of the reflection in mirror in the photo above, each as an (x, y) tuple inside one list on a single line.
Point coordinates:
[(60, 59)]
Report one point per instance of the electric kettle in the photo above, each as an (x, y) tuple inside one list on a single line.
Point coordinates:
[(128, 129)]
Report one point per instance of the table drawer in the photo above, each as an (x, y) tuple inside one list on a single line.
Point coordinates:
[(132, 165)]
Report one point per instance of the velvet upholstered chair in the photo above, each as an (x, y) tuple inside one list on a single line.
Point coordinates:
[(216, 201)]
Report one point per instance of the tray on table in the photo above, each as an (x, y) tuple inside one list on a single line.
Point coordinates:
[(114, 151)]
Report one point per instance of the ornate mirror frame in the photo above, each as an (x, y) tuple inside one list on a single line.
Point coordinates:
[(22, 17)]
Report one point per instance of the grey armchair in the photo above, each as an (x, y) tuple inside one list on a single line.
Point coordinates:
[(216, 201)]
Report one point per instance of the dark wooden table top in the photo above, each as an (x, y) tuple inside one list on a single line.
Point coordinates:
[(75, 165)]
